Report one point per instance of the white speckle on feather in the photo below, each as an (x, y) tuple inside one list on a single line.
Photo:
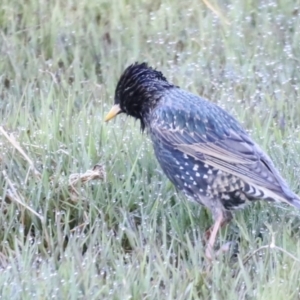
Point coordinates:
[(196, 167)]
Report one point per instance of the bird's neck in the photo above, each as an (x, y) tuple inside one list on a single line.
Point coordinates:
[(147, 98)]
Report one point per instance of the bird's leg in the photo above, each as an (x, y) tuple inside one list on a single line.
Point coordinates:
[(221, 218), (208, 232), (219, 222)]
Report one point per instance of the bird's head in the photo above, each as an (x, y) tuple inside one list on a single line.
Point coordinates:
[(138, 91)]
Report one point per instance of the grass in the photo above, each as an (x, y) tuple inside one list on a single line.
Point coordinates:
[(132, 236)]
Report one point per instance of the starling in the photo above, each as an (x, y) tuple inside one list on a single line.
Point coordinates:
[(201, 148)]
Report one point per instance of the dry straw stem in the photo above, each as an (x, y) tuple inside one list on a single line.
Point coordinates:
[(14, 196), (11, 193), (272, 245), (97, 173), (17, 146), (216, 11)]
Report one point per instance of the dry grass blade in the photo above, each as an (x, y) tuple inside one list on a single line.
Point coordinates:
[(17, 146), (14, 196), (272, 245), (97, 173), (216, 11)]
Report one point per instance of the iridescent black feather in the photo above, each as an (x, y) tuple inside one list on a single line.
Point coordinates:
[(202, 149), (140, 82)]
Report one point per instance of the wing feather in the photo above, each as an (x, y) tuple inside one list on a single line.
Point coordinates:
[(232, 152)]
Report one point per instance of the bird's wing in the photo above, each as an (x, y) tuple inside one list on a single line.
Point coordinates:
[(226, 147)]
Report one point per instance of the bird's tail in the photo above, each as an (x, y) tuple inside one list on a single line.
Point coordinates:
[(290, 196), (295, 201), (286, 195)]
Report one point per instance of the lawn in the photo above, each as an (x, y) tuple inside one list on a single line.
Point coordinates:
[(86, 212)]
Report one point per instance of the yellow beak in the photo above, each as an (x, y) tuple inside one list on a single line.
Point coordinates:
[(113, 112)]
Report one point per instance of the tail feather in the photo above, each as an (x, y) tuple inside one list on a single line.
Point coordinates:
[(287, 196), (296, 201), (292, 198)]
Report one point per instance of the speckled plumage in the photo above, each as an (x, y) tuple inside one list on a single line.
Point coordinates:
[(202, 149)]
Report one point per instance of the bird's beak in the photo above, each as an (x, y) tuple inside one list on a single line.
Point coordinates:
[(113, 112)]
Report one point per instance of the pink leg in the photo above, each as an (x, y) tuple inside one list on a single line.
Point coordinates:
[(219, 222), (208, 232)]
